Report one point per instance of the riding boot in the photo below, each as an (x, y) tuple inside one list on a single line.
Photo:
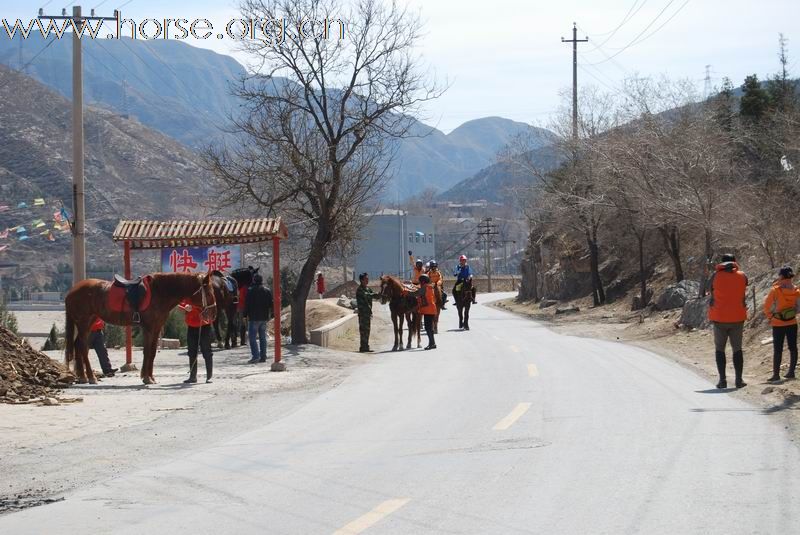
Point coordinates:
[(738, 366), (720, 356), (776, 367), (192, 370), (792, 366), (209, 367)]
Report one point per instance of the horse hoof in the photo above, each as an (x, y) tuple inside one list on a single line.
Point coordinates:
[(80, 381), (148, 380), (92, 380)]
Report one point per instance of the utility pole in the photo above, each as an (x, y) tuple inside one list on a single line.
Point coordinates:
[(707, 83), (487, 229), (575, 42), (78, 199)]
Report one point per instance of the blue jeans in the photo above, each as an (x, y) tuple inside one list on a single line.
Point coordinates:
[(259, 327)]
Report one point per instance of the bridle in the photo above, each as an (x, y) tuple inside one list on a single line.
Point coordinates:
[(204, 299)]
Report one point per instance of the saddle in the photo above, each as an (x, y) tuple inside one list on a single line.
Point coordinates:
[(130, 296), (233, 287)]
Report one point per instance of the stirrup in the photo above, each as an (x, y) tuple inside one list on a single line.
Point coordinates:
[(137, 318)]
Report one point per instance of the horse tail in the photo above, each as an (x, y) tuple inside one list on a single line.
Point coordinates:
[(69, 340)]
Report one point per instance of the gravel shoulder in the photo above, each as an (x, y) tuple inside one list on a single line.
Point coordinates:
[(121, 425)]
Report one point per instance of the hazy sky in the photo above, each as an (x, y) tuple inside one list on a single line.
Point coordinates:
[(505, 57)]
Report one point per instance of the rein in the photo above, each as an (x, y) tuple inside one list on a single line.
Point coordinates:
[(203, 298)]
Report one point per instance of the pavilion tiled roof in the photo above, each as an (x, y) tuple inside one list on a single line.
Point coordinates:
[(160, 234)]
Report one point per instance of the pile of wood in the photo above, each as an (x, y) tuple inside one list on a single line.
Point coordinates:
[(27, 375)]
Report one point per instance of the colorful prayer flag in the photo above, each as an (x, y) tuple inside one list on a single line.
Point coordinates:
[(22, 205), (4, 234), (23, 238), (3, 248), (38, 202), (4, 207), (45, 231), (21, 230), (39, 224), (50, 237), (57, 217)]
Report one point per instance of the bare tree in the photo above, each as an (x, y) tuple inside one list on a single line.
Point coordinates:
[(577, 190), (321, 118)]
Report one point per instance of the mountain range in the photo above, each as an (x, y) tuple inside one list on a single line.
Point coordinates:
[(185, 93)]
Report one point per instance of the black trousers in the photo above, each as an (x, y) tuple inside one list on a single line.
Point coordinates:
[(789, 333), (97, 341), (429, 328), (200, 338)]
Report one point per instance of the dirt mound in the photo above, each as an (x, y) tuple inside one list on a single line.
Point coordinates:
[(27, 374)]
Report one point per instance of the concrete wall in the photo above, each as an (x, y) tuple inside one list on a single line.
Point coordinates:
[(387, 240), (335, 330)]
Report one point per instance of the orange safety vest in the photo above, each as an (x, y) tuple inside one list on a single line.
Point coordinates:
[(430, 307), (781, 298), (728, 287)]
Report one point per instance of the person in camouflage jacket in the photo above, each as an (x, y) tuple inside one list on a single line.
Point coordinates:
[(364, 298)]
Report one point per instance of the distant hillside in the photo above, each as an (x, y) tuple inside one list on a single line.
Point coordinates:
[(184, 92), (131, 171), (498, 182), (181, 90)]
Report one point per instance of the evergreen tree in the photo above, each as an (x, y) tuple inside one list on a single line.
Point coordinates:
[(755, 101), (8, 319)]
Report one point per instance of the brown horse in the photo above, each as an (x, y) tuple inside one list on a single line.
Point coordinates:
[(463, 294), (403, 305), (227, 301), (89, 299)]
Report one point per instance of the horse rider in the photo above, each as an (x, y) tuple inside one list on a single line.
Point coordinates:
[(463, 273), (417, 268), (436, 279)]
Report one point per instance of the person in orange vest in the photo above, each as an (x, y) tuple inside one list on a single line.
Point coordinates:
[(416, 267), (781, 308), (727, 311), (198, 335), (427, 307), (97, 341)]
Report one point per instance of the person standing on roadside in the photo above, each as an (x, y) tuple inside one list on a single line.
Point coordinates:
[(198, 336), (781, 308), (320, 285), (257, 309), (97, 341), (727, 311), (364, 298), (427, 307)]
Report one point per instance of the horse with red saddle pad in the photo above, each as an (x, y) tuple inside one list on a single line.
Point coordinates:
[(145, 302)]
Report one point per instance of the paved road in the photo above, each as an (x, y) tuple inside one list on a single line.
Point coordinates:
[(505, 429)]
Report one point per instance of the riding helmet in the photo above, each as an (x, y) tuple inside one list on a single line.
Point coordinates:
[(424, 278), (433, 264)]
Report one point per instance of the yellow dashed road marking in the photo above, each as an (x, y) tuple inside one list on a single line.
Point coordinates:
[(512, 417), (373, 517)]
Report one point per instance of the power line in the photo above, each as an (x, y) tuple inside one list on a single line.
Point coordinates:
[(625, 19), (22, 69), (633, 42), (645, 38)]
